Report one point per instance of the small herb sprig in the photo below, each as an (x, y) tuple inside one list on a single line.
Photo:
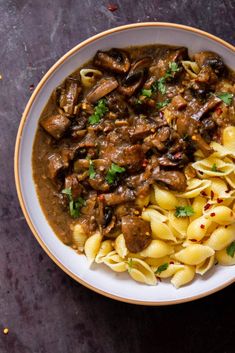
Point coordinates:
[(74, 205), (184, 211), (112, 173), (100, 110)]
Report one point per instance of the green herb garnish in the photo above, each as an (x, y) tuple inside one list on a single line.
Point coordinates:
[(184, 211), (92, 172), (160, 84), (162, 268), (226, 97), (130, 264), (173, 66), (215, 169), (74, 205), (112, 173), (163, 104), (99, 112), (230, 250), (146, 92)]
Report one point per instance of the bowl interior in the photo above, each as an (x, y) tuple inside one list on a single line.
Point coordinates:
[(99, 277)]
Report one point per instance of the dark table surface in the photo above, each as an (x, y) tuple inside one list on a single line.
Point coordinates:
[(45, 310)]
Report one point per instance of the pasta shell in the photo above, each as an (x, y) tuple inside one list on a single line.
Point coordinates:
[(92, 246), (229, 138), (161, 231), (183, 276), (206, 166), (221, 237), (165, 199), (105, 248), (151, 214), (79, 236), (120, 246), (156, 249), (89, 77), (224, 259), (195, 187), (179, 223), (222, 215), (197, 229), (205, 266), (115, 262), (140, 271), (194, 254), (170, 271)]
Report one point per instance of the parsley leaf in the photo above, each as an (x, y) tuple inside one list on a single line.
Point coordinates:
[(74, 205), (215, 169), (162, 268), (230, 250), (163, 104), (146, 92), (173, 66), (113, 170), (99, 112), (226, 97), (184, 211), (92, 172), (161, 85)]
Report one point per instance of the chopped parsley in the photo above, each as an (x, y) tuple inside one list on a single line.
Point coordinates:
[(99, 111), (162, 268), (184, 211), (112, 173), (215, 169), (226, 97), (160, 84), (161, 105), (146, 92), (74, 205), (230, 250), (92, 172)]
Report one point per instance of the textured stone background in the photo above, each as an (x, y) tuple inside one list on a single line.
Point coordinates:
[(45, 310)]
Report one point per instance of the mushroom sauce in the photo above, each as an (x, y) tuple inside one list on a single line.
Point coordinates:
[(124, 121)]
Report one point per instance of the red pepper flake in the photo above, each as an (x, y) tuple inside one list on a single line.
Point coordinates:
[(31, 87), (203, 193), (172, 262), (231, 213), (227, 191), (207, 206), (220, 200), (226, 226), (112, 7), (212, 214), (201, 172), (219, 111), (212, 194), (193, 240), (202, 226), (101, 197), (145, 163)]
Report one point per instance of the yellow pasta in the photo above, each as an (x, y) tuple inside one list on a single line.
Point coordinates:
[(195, 187), (221, 237), (152, 214), (198, 205), (89, 77), (194, 254), (180, 224), (92, 246), (79, 236), (183, 276), (165, 198), (213, 166), (115, 262), (156, 249), (105, 248), (161, 231), (170, 271), (197, 229), (140, 271), (205, 265), (222, 215), (224, 259), (120, 246), (191, 67), (156, 262), (229, 138), (143, 201)]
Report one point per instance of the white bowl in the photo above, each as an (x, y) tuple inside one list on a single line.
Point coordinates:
[(100, 279)]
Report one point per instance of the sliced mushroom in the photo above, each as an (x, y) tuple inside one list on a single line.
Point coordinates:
[(114, 60), (206, 58), (173, 180), (101, 89), (69, 94), (137, 233), (135, 77), (209, 105)]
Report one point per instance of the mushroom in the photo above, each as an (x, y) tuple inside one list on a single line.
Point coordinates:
[(114, 60), (135, 77), (137, 233), (206, 58), (173, 180), (101, 89), (209, 105)]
